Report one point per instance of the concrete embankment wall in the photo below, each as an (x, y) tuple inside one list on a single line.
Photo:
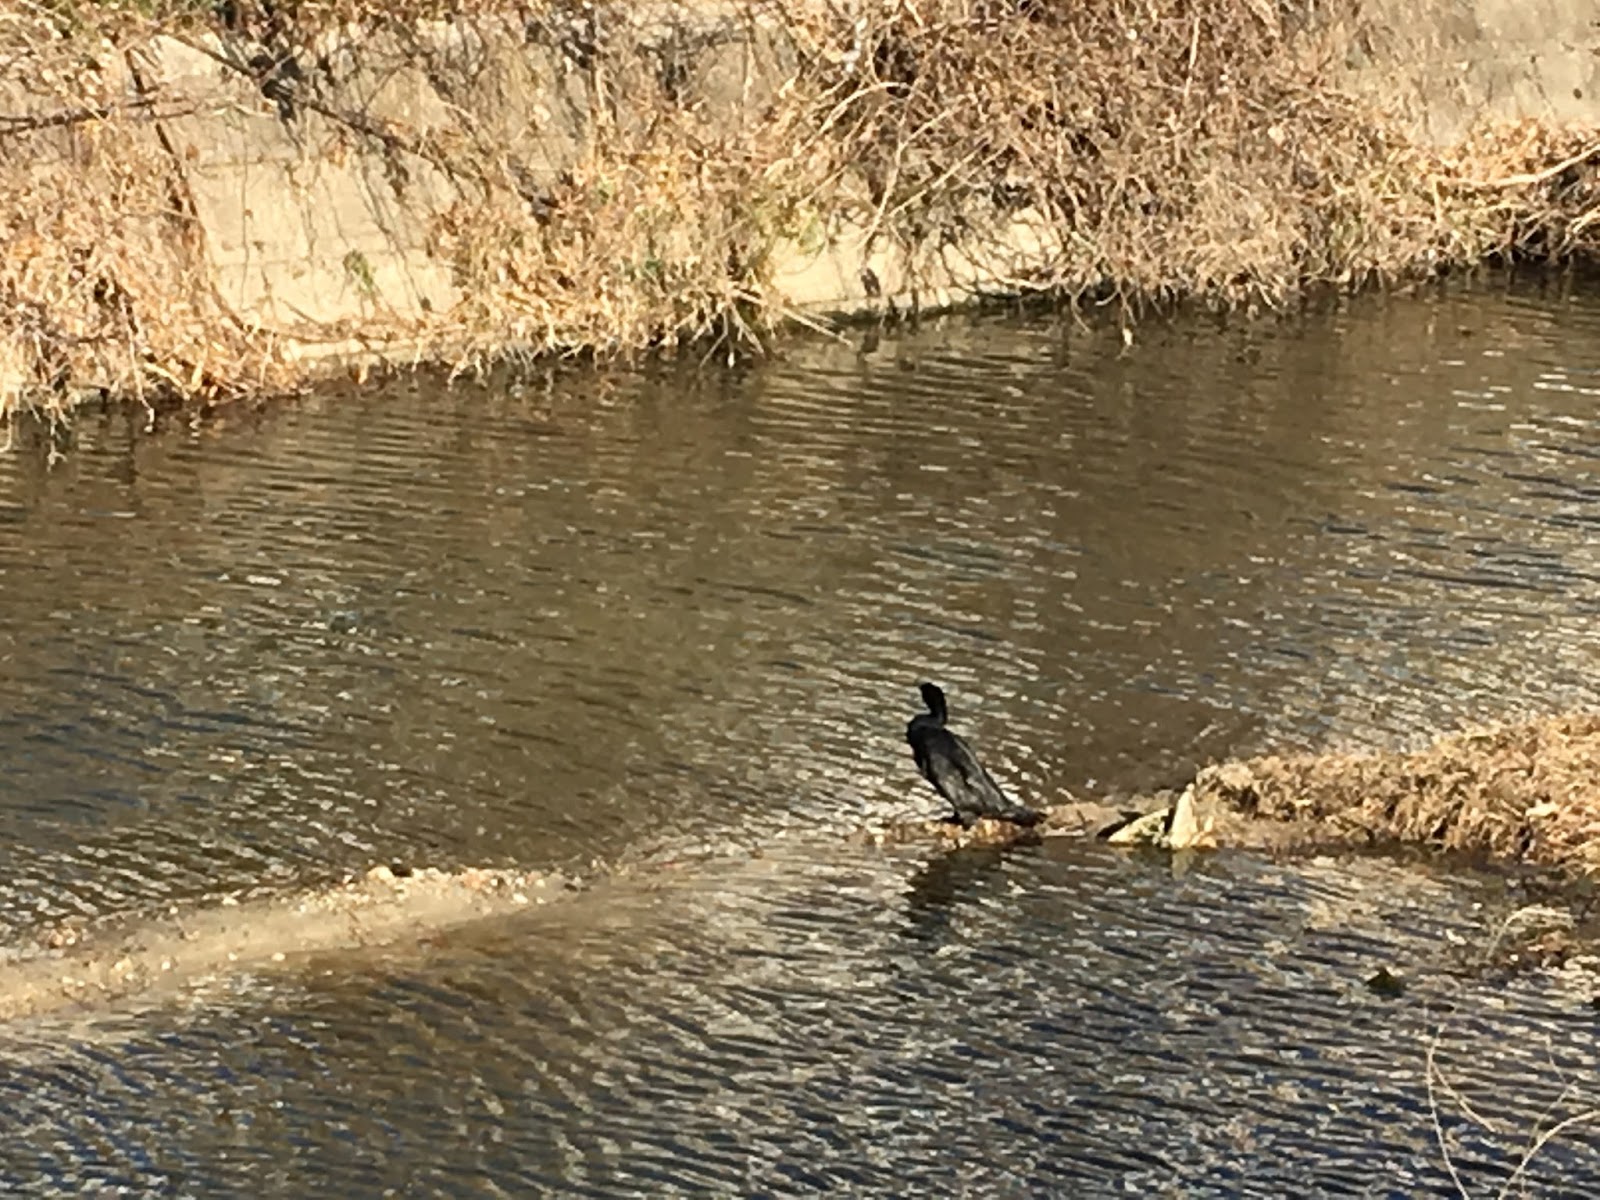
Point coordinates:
[(210, 210), (1453, 64)]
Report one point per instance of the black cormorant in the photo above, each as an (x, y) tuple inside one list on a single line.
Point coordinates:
[(949, 764)]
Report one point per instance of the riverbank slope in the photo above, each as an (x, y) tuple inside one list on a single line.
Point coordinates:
[(200, 206)]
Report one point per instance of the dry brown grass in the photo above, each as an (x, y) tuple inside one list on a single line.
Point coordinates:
[(1172, 149), (1183, 150), (100, 288), (1527, 792)]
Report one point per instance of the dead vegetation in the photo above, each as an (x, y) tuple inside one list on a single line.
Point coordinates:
[(1155, 151), (100, 286), (1569, 1116), (1525, 793)]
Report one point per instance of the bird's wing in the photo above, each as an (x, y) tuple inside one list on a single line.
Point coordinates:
[(976, 781)]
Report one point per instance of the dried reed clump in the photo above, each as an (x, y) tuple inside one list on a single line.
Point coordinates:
[(1161, 150), (1171, 150), (1197, 149), (103, 286), (1528, 792)]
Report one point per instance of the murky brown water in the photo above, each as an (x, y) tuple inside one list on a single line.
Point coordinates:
[(680, 616)]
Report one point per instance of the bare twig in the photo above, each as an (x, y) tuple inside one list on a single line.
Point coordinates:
[(1528, 178), (1432, 1074), (1587, 1117)]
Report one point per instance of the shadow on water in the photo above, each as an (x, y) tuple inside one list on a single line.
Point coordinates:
[(679, 618)]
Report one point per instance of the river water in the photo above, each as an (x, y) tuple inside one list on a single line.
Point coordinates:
[(675, 619)]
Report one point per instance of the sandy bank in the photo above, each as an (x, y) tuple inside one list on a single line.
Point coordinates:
[(76, 966)]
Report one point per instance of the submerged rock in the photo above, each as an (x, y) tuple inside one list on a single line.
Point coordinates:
[(1384, 982), (983, 832), (1175, 827), (1147, 830)]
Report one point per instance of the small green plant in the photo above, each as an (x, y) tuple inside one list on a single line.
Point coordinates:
[(360, 270)]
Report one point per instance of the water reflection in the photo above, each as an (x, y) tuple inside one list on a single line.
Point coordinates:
[(944, 881), (1073, 1020), (673, 614)]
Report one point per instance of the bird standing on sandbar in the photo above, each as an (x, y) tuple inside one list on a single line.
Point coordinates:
[(947, 762)]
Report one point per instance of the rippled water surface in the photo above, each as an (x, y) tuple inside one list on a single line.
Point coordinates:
[(676, 619)]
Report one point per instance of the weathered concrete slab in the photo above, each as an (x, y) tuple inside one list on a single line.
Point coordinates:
[(850, 269), (306, 222), (1461, 61)]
